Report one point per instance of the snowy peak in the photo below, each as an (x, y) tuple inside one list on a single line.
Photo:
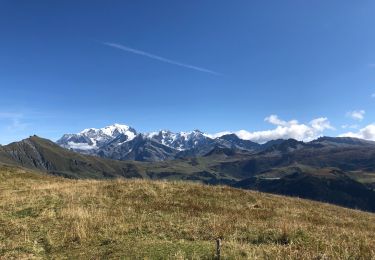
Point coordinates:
[(112, 131), (164, 137), (180, 141), (93, 138)]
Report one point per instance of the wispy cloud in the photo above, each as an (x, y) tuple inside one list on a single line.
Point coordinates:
[(356, 114), (15, 121), (355, 126), (159, 58), (373, 95)]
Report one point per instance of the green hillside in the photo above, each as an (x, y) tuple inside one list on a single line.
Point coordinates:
[(42, 154), (263, 172), (51, 217)]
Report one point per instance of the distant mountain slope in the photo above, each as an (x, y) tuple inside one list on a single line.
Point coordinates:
[(233, 141), (45, 155), (327, 185), (42, 154), (347, 154), (343, 153), (140, 148)]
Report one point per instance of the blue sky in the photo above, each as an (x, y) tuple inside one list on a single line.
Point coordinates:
[(183, 65)]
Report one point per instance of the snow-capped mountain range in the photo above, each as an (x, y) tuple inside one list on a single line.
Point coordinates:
[(123, 142), (93, 138)]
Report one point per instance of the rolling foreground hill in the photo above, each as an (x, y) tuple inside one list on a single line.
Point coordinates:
[(339, 171), (52, 217)]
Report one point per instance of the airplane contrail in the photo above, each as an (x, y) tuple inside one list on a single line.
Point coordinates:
[(159, 58)]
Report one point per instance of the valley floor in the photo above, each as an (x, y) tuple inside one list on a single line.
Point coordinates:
[(50, 217)]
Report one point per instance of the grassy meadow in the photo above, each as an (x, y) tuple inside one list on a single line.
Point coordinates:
[(44, 217)]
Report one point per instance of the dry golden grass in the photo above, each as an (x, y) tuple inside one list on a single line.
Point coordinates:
[(47, 217)]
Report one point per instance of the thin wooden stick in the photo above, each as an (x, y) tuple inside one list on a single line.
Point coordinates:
[(218, 248)]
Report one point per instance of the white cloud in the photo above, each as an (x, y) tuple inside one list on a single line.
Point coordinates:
[(373, 95), (287, 129), (81, 146), (320, 124), (274, 119), (358, 115), (218, 134), (367, 133)]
